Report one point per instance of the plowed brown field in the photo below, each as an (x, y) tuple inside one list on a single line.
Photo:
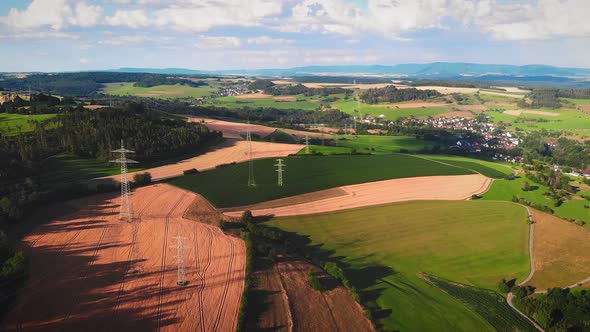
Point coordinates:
[(232, 151), (455, 187), (234, 129), (92, 272)]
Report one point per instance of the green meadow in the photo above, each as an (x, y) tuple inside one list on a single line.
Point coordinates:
[(302, 102), (160, 91), (385, 249), (382, 111), (490, 169), (568, 120), (381, 144), (12, 124)]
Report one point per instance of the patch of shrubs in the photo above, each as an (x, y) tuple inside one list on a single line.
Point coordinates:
[(142, 179), (526, 202), (190, 171), (225, 165), (314, 281)]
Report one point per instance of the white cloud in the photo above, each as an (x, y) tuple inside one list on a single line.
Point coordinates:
[(84, 61), (136, 18), (216, 42), (55, 14), (41, 35), (266, 40), (135, 39)]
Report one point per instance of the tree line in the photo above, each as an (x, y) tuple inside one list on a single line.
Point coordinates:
[(155, 80), (391, 94)]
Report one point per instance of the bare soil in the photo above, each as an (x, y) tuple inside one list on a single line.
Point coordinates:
[(84, 275), (254, 96), (312, 310), (234, 130), (560, 249), (455, 187)]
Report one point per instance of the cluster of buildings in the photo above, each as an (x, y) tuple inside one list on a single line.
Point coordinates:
[(489, 135), (236, 89)]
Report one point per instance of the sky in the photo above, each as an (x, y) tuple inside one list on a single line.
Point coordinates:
[(70, 35)]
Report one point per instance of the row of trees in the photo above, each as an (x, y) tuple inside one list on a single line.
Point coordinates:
[(155, 80), (300, 89), (391, 94), (565, 151), (37, 104)]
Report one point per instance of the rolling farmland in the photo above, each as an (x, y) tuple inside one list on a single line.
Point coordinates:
[(305, 174), (476, 243)]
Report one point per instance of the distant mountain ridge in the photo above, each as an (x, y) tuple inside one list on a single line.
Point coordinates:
[(430, 70)]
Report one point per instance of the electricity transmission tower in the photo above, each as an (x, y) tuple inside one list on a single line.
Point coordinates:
[(180, 257), (306, 144), (251, 182), (280, 170), (126, 210)]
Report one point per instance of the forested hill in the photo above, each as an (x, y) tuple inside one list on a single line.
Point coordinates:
[(391, 94), (88, 134)]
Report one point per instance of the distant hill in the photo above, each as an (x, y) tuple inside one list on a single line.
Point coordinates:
[(436, 70)]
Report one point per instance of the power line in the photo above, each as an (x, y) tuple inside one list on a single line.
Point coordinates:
[(307, 144), (126, 209), (280, 170)]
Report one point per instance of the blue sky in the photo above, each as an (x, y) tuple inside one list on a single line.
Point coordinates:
[(62, 35)]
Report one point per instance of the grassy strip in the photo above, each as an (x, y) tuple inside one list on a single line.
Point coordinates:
[(488, 304), (243, 313)]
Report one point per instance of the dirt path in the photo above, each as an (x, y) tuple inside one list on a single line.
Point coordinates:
[(101, 274), (456, 187)]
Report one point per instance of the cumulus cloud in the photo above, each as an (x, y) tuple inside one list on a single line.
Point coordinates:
[(41, 35), (217, 42), (55, 14), (136, 18), (84, 61)]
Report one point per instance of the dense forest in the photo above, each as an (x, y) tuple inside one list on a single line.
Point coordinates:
[(562, 151), (391, 94), (300, 89), (558, 310), (38, 104), (75, 84), (549, 97), (261, 84), (341, 79)]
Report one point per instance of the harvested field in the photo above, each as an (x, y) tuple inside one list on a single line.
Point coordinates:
[(302, 133), (414, 105), (94, 107), (285, 98), (230, 152), (442, 89), (254, 96), (520, 112), (312, 310), (560, 249), (503, 94), (456, 187), (234, 130), (102, 274)]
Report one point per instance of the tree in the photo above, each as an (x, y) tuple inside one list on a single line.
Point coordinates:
[(142, 179)]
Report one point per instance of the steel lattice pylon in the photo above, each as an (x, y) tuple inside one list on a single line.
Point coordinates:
[(126, 208), (180, 256), (280, 170)]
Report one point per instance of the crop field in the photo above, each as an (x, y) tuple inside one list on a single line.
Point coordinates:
[(350, 106), (489, 304), (303, 175), (382, 144), (12, 124), (490, 169), (315, 149), (505, 190), (560, 249), (97, 271), (160, 91), (471, 242), (301, 102)]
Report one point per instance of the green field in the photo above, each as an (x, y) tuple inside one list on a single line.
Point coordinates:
[(578, 101), (486, 168), (506, 189), (382, 144), (67, 168), (302, 103), (568, 120), (12, 124), (385, 248), (160, 91), (326, 150), (349, 106), (305, 174)]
